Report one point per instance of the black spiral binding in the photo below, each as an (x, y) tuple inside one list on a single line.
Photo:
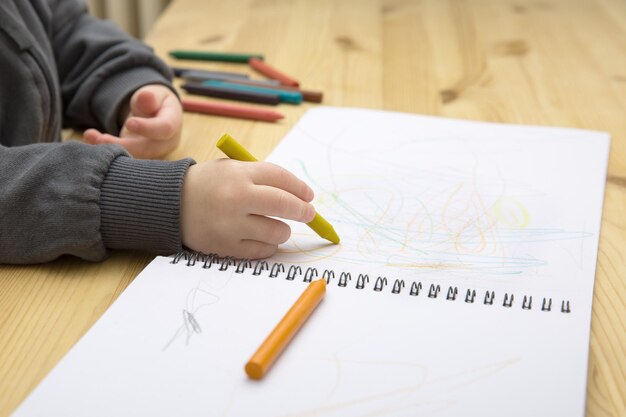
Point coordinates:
[(380, 284)]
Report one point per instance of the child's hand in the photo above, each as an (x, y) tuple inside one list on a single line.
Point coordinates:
[(152, 128), (225, 206)]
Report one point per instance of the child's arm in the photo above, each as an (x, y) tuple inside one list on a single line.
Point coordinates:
[(107, 200), (222, 206)]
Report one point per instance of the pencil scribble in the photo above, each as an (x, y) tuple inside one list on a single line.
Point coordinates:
[(197, 299)]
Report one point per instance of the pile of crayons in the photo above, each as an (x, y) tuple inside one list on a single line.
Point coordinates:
[(278, 88)]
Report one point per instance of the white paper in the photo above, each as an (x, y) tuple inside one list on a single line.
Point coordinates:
[(466, 206)]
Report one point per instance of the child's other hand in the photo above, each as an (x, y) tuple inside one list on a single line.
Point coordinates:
[(226, 204), (152, 128)]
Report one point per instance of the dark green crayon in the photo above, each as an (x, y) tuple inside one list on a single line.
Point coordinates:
[(213, 56)]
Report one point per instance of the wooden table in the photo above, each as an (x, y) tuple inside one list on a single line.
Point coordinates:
[(546, 62)]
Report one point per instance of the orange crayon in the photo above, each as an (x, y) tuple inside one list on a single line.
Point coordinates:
[(265, 356), (272, 73)]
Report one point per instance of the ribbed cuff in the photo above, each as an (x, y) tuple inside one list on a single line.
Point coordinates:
[(140, 204)]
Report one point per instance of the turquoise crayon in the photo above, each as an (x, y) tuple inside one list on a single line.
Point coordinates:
[(285, 96)]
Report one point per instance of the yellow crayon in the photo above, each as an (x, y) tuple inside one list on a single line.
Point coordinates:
[(234, 150)]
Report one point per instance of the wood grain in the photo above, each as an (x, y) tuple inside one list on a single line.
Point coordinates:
[(546, 62)]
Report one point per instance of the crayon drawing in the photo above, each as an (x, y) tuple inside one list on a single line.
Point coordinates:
[(447, 202)]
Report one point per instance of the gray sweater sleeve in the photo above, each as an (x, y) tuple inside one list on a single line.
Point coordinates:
[(77, 199), (99, 66)]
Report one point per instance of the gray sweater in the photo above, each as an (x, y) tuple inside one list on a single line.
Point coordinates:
[(61, 67)]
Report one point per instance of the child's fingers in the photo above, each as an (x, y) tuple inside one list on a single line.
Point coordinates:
[(105, 138), (275, 176), (134, 146), (138, 147), (91, 136), (161, 127), (270, 201), (263, 229), (252, 249)]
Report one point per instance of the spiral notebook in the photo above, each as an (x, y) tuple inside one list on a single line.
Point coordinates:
[(462, 286)]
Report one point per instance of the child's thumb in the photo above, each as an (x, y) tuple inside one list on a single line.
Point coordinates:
[(145, 104)]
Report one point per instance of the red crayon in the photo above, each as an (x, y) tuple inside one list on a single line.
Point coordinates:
[(230, 110), (270, 72)]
